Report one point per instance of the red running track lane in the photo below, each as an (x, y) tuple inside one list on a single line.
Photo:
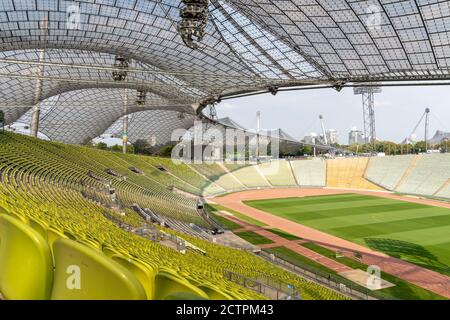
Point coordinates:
[(419, 276)]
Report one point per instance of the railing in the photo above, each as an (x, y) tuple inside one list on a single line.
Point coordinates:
[(334, 282), (271, 288)]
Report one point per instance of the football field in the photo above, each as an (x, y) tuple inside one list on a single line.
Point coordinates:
[(414, 232)]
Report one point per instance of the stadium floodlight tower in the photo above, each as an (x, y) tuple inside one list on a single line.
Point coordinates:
[(427, 127), (368, 101), (120, 75), (258, 132), (194, 17)]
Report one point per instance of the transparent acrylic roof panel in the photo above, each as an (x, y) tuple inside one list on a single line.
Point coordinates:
[(249, 45), (78, 116), (354, 39), (255, 43)]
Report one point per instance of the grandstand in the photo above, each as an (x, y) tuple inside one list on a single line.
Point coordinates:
[(248, 175), (219, 175), (278, 173), (388, 171), (430, 173), (309, 173), (46, 213), (348, 173)]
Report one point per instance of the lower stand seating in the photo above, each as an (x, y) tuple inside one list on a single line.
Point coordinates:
[(26, 270)]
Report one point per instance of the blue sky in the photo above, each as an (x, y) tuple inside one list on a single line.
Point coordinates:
[(398, 109)]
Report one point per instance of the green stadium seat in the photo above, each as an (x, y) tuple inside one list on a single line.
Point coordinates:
[(83, 273), (171, 287), (26, 270)]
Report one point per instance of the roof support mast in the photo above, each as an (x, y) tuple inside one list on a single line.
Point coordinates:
[(36, 110)]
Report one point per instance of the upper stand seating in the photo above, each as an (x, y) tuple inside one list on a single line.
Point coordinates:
[(309, 173), (388, 171), (278, 173), (431, 172), (218, 175), (248, 176), (348, 173)]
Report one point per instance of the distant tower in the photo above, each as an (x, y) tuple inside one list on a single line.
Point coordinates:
[(258, 130), (325, 140), (368, 111)]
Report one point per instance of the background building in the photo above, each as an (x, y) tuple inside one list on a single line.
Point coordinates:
[(356, 136), (332, 136)]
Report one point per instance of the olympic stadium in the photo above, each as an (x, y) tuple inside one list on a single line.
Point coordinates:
[(99, 96)]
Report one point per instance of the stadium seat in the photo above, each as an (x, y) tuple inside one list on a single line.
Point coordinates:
[(143, 272), (53, 235), (42, 181), (171, 287), (84, 273), (3, 210), (215, 293), (26, 270), (39, 227)]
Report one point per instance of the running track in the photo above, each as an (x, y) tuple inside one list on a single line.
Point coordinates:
[(419, 276)]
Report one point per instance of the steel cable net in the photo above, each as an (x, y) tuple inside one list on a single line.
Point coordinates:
[(163, 124), (81, 115), (245, 46)]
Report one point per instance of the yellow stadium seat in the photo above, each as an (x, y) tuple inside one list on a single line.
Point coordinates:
[(38, 226), (87, 274), (143, 272), (215, 293), (18, 216), (54, 234), (169, 286), (26, 270)]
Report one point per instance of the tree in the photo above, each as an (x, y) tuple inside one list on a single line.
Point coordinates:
[(102, 146), (116, 148), (141, 146), (166, 151), (305, 149), (130, 149)]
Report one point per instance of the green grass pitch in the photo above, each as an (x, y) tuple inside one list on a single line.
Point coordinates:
[(413, 232)]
